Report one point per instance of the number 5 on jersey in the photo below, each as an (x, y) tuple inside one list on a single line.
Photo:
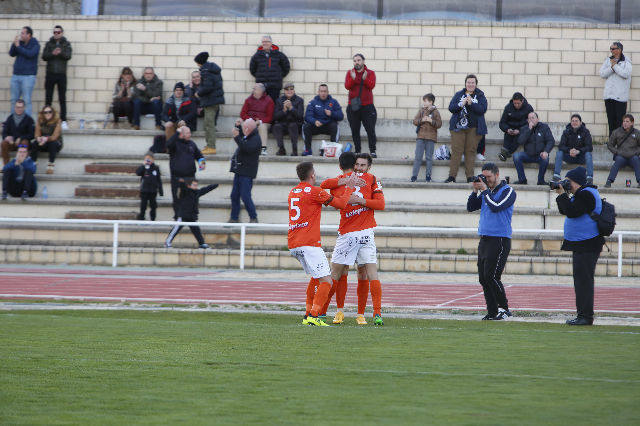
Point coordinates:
[(294, 208)]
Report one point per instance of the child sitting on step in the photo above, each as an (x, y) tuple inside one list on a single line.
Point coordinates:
[(150, 186)]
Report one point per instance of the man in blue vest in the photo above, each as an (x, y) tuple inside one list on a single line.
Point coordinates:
[(581, 236), (495, 200)]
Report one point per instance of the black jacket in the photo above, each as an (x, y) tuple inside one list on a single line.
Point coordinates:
[(210, 91), (188, 200), (536, 140), (182, 156), (579, 139), (294, 115), (513, 118), (269, 67), (188, 112), (583, 203), (24, 130), (57, 64), (245, 160), (150, 180)]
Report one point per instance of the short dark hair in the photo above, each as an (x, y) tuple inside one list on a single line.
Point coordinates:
[(471, 76), (629, 116), (533, 112), (304, 169), (576, 116), (29, 30), (366, 156), (21, 101), (429, 96), (492, 167), (359, 54), (347, 160), (517, 97), (323, 85), (59, 26)]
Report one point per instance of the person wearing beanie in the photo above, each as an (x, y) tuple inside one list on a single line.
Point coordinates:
[(581, 236), (210, 94), (179, 110)]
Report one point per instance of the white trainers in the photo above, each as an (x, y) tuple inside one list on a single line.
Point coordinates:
[(480, 157), (65, 126)]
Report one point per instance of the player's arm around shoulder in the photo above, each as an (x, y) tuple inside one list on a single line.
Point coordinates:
[(376, 202)]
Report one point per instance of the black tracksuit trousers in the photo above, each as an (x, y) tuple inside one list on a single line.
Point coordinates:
[(584, 269), (492, 257)]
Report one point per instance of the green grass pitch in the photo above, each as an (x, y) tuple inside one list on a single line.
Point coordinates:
[(163, 367)]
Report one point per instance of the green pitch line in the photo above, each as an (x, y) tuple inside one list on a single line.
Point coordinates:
[(123, 367)]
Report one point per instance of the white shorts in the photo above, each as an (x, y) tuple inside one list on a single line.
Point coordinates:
[(352, 247), (313, 260)]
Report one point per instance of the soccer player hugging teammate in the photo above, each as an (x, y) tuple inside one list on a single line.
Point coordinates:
[(305, 207), (355, 242)]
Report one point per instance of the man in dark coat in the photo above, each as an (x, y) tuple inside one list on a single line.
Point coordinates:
[(56, 54), (537, 142), (180, 108), (18, 129), (244, 164), (513, 118), (210, 95), (575, 147), (147, 98), (269, 66), (183, 153), (288, 115)]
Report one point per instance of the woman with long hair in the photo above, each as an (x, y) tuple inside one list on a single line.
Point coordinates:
[(48, 135), (123, 96)]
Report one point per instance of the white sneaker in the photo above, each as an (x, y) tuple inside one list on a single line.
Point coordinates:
[(65, 126), (480, 157)]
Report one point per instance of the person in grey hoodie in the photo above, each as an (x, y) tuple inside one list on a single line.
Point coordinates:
[(616, 69)]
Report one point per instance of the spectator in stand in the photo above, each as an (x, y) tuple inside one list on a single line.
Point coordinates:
[(183, 153), (150, 186), (288, 116), (575, 148), (616, 69), (624, 144), (56, 54), (321, 117), (427, 122), (17, 177), (179, 110), (48, 136), (244, 164), (25, 49), (537, 142), (514, 117), (259, 107), (269, 66), (360, 82), (210, 95), (18, 129), (191, 90), (123, 96), (481, 147), (147, 98), (467, 126)]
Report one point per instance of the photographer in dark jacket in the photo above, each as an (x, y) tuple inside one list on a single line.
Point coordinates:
[(575, 147), (537, 142), (288, 116), (513, 118), (244, 164), (269, 66), (210, 94), (183, 153), (581, 236)]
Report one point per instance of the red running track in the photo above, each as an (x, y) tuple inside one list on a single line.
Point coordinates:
[(204, 287)]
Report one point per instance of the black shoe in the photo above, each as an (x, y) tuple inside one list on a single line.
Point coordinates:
[(140, 216), (414, 178), (504, 314), (579, 321), (541, 182), (589, 181), (450, 179), (281, 152), (24, 195), (232, 220), (556, 178), (373, 155), (4, 195), (294, 154), (489, 317), (520, 182), (470, 179), (608, 184), (204, 246), (502, 156), (428, 178)]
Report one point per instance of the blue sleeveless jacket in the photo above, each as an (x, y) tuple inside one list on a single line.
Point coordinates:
[(495, 219), (583, 227)]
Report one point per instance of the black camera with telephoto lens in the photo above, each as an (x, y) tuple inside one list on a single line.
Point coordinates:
[(565, 184), (481, 178)]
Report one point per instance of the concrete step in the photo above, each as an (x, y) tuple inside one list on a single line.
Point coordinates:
[(282, 260), (104, 215), (89, 191)]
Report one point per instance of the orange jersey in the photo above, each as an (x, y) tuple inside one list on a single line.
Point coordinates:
[(357, 218)]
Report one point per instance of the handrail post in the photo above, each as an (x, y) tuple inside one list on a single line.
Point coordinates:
[(620, 255), (114, 254), (242, 237)]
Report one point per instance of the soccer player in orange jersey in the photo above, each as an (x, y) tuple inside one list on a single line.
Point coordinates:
[(305, 207), (356, 242)]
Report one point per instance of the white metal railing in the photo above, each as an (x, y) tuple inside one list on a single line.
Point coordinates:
[(243, 228)]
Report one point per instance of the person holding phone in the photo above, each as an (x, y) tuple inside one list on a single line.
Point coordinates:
[(616, 70)]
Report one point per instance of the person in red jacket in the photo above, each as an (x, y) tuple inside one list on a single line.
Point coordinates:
[(360, 82), (259, 106)]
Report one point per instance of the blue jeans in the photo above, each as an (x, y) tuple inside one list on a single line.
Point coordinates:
[(242, 190), (560, 157), (22, 87), (153, 107), (521, 157), (423, 147), (619, 161)]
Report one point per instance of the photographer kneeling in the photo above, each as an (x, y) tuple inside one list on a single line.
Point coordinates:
[(581, 236)]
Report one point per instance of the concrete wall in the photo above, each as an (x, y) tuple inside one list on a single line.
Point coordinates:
[(554, 65)]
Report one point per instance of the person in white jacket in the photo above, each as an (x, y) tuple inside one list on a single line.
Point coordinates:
[(616, 69)]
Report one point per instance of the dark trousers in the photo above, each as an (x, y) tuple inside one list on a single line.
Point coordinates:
[(15, 188), (615, 111), (510, 143), (308, 130), (139, 107), (481, 145), (195, 230), (150, 198), (280, 128), (52, 147), (492, 257), (273, 92), (51, 80), (242, 186), (123, 109), (175, 184), (619, 162), (367, 117), (584, 270)]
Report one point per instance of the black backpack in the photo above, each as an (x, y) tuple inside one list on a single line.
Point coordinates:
[(606, 220)]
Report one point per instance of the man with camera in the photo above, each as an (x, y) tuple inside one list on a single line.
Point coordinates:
[(244, 165), (581, 236), (495, 199)]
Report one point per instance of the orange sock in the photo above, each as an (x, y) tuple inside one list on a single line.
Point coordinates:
[(332, 291), (311, 292), (363, 295), (376, 296), (341, 291), (320, 297)]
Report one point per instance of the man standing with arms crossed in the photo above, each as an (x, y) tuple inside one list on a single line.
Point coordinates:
[(495, 200)]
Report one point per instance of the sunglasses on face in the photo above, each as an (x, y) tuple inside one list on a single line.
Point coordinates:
[(614, 48), (57, 32), (22, 146), (48, 112)]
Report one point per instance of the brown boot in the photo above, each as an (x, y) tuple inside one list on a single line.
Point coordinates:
[(208, 151), (50, 168), (136, 127)]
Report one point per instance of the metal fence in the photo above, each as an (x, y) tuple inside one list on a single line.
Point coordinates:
[(243, 230)]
